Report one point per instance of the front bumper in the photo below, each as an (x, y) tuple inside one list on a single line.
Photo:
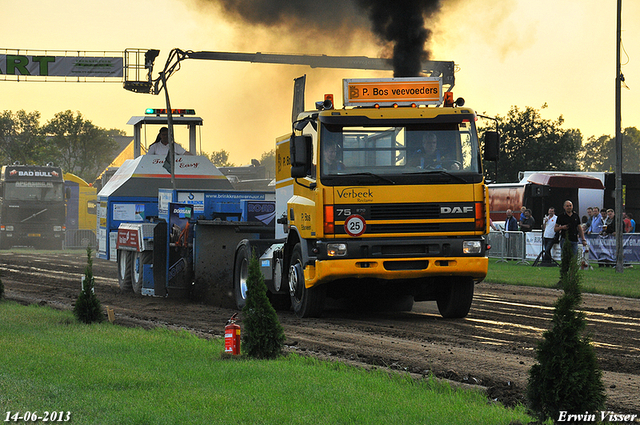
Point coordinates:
[(395, 268)]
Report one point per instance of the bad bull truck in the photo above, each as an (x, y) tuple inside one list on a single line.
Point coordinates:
[(32, 206)]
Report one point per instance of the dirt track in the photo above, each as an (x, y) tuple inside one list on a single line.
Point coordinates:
[(493, 347)]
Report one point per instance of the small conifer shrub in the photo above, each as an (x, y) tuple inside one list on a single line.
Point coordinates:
[(87, 308), (262, 334), (567, 375)]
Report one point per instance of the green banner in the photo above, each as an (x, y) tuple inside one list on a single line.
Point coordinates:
[(61, 66)]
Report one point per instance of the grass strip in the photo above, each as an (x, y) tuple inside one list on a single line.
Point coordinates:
[(106, 374), (600, 280)]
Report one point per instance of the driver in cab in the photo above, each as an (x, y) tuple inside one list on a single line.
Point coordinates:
[(428, 156), (330, 161)]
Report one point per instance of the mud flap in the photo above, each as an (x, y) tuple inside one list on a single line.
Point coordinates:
[(160, 259), (147, 282)]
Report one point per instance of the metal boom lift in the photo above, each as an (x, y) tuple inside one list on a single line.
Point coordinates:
[(140, 61)]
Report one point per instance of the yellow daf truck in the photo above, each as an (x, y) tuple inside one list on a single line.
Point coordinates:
[(382, 201)]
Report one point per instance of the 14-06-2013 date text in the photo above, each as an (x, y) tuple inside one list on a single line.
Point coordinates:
[(53, 416)]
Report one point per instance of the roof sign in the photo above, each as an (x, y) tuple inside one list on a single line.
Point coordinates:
[(390, 91)]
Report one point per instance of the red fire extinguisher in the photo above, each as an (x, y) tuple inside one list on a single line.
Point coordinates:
[(232, 336)]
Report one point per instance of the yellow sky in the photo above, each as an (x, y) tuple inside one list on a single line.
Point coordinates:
[(519, 52)]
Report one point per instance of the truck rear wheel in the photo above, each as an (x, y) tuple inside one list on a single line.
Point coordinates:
[(306, 302), (137, 269), (454, 300), (124, 270), (240, 275)]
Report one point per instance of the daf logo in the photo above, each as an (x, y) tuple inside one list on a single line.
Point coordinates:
[(455, 210)]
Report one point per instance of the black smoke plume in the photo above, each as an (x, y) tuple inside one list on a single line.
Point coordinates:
[(400, 23)]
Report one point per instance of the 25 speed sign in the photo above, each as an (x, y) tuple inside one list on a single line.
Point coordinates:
[(355, 225)]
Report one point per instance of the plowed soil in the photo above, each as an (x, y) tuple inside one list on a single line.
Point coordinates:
[(492, 348)]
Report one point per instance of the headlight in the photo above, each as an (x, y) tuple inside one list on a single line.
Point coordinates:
[(472, 247), (57, 228), (336, 249)]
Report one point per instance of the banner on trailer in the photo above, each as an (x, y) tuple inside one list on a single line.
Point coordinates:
[(603, 248)]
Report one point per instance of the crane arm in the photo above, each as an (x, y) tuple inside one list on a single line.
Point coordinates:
[(443, 69), (433, 68)]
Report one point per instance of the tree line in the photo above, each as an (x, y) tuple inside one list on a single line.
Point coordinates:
[(67, 140), (530, 142), (527, 142), (71, 141)]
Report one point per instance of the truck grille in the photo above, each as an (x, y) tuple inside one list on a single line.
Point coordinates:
[(404, 211), (395, 217), (421, 227)]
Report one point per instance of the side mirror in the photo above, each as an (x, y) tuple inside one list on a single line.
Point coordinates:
[(491, 146), (300, 149)]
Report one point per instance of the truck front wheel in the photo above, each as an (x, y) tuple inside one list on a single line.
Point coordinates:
[(456, 295), (124, 270), (306, 302)]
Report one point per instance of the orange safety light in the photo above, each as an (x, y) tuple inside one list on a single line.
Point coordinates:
[(328, 98), (448, 99), (328, 219)]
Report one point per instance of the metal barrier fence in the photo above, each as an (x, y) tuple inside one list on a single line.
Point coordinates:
[(508, 246), (75, 239), (527, 247)]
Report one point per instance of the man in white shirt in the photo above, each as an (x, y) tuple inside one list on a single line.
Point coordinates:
[(161, 145), (549, 224)]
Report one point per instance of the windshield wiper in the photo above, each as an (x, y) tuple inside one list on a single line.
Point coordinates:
[(440, 173), (34, 215), (367, 173)]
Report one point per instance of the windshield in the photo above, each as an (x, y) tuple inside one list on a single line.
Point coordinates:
[(34, 191), (451, 147)]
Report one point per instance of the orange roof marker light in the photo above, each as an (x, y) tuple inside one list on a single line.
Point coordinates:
[(448, 99), (328, 100), (389, 91)]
